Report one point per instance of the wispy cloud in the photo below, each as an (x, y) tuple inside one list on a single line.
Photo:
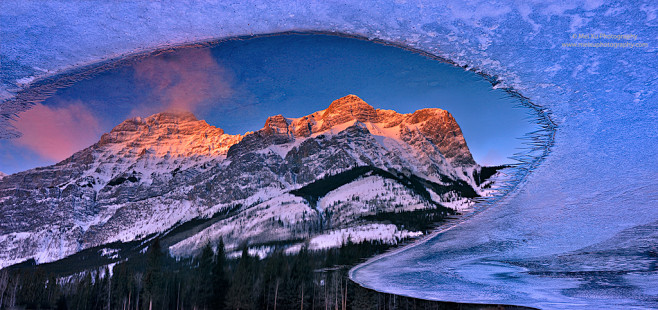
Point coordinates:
[(55, 133), (188, 79), (183, 80)]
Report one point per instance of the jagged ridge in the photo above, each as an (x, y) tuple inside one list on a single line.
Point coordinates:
[(148, 174)]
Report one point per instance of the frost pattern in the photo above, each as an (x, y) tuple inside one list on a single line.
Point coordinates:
[(580, 231)]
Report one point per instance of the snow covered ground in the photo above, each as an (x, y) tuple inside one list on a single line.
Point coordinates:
[(579, 231), (386, 233), (287, 217)]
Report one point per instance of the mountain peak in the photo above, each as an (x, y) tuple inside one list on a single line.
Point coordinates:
[(348, 108), (349, 99), (172, 116), (351, 105), (158, 119), (177, 133), (277, 123), (425, 114)]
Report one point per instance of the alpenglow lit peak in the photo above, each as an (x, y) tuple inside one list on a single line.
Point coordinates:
[(149, 175)]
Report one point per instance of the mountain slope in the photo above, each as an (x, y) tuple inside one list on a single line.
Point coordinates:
[(151, 174)]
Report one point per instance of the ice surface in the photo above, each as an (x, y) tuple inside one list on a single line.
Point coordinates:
[(579, 231)]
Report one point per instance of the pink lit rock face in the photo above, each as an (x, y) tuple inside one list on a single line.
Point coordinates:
[(150, 174), (167, 134), (437, 125)]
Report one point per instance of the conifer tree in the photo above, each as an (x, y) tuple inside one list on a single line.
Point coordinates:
[(204, 279), (153, 278), (273, 277), (220, 283), (240, 295)]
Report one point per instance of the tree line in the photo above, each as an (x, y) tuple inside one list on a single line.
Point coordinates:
[(211, 280)]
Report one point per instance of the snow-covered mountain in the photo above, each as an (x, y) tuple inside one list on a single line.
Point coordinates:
[(2, 175), (321, 178)]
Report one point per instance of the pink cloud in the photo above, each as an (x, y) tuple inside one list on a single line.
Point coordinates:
[(55, 133), (183, 79)]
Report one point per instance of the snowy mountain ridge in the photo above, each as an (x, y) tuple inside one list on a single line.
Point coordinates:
[(311, 178), (438, 125)]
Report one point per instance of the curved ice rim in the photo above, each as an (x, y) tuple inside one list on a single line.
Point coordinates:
[(540, 140)]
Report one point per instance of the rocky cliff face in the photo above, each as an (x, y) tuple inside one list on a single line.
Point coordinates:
[(437, 125), (150, 174)]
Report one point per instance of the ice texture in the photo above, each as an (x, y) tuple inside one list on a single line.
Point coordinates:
[(579, 230)]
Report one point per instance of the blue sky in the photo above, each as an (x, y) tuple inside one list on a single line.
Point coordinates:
[(237, 84)]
